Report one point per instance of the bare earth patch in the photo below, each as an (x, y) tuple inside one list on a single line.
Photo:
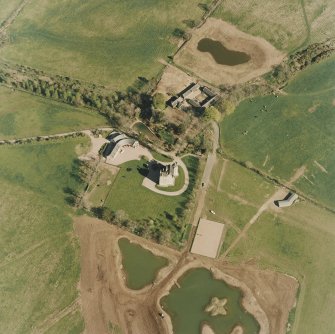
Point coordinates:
[(263, 55), (275, 292), (173, 81), (105, 299)]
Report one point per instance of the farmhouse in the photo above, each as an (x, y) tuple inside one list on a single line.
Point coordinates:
[(168, 174), (208, 238), (117, 142), (287, 201), (194, 95)]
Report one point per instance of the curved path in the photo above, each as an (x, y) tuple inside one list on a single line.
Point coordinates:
[(152, 185)]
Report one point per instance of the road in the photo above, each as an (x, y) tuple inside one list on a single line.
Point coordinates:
[(210, 162)]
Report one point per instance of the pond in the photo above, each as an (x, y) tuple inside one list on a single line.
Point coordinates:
[(186, 305), (141, 128), (221, 54), (140, 265)]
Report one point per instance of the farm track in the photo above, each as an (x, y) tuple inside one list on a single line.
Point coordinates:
[(263, 208), (280, 183), (308, 27), (54, 318), (54, 136), (6, 24)]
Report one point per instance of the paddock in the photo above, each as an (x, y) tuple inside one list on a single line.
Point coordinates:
[(208, 238)]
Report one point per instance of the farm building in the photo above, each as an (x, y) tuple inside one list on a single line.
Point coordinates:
[(117, 141), (194, 95), (208, 238), (168, 174), (287, 201)]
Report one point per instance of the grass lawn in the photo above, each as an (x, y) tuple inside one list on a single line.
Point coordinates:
[(161, 157), (299, 241), (141, 204), (39, 258), (101, 186), (129, 195), (297, 129), (24, 115), (112, 42), (286, 24)]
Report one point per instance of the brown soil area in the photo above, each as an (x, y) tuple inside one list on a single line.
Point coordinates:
[(105, 299), (173, 81), (275, 292), (263, 55)]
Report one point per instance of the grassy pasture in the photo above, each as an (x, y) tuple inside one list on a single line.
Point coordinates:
[(72, 323), (39, 258), (235, 194), (112, 42), (297, 129), (286, 24), (24, 115), (7, 7), (100, 187), (298, 241)]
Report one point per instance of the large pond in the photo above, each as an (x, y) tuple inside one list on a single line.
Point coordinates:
[(140, 265), (186, 305), (221, 54)]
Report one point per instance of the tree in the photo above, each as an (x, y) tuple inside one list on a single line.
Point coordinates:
[(158, 116), (120, 217), (159, 101), (211, 113), (228, 106), (180, 33)]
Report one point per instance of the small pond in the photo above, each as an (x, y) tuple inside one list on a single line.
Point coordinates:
[(140, 265), (186, 305), (221, 54), (141, 128)]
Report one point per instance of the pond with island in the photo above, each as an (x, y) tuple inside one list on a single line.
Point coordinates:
[(221, 54), (139, 264), (201, 299)]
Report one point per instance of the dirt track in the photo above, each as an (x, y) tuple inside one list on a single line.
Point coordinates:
[(105, 299)]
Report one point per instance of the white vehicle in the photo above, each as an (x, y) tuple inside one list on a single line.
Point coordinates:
[(213, 212)]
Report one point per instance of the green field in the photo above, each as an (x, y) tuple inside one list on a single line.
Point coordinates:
[(296, 129), (112, 42), (23, 115), (7, 7), (301, 242), (100, 186), (39, 257), (235, 194), (288, 25)]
